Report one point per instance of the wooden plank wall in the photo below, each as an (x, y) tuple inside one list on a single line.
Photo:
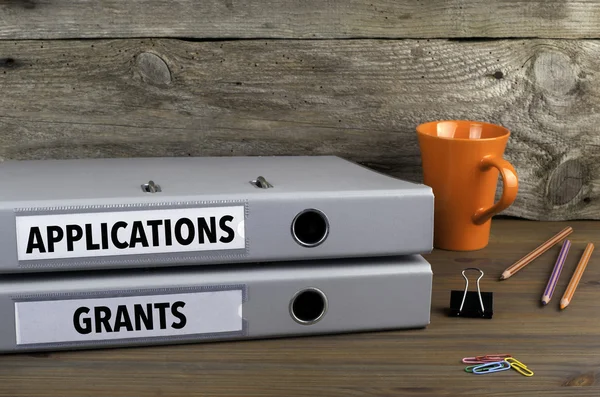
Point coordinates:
[(273, 77)]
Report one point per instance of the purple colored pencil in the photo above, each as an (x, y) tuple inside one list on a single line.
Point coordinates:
[(558, 266)]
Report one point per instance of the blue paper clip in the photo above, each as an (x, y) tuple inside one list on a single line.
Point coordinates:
[(487, 368)]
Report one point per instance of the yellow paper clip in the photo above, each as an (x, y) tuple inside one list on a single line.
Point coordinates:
[(519, 366)]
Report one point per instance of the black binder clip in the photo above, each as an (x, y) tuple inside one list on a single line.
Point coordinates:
[(471, 304)]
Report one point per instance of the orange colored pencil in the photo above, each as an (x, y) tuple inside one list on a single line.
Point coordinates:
[(527, 259), (585, 258)]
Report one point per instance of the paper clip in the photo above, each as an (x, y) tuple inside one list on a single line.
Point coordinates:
[(472, 304), (488, 358), (493, 357), (519, 366), (472, 360), (487, 368)]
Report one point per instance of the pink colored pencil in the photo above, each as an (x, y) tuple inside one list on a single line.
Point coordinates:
[(527, 259), (558, 266)]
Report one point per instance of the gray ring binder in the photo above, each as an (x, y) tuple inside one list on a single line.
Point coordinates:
[(204, 211), (43, 312)]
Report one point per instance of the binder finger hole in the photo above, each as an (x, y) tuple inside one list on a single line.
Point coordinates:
[(310, 228), (308, 306)]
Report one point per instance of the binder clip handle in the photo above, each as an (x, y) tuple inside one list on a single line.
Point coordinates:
[(467, 288)]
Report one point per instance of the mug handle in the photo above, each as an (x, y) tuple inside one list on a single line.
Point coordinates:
[(510, 188)]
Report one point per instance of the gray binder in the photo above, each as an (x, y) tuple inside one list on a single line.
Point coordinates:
[(145, 212), (81, 310)]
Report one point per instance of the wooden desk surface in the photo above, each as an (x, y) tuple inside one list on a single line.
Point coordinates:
[(562, 348)]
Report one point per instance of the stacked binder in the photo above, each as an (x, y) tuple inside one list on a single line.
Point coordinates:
[(125, 252)]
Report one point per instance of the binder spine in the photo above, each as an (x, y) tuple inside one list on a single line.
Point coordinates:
[(260, 229), (173, 306)]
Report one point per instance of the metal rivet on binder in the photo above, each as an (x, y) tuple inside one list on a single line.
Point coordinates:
[(471, 304), (261, 183), (151, 187)]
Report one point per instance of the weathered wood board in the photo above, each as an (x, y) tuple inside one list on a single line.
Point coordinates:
[(44, 19), (360, 99)]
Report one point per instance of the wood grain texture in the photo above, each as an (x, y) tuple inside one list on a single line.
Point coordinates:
[(562, 348), (359, 99), (43, 19)]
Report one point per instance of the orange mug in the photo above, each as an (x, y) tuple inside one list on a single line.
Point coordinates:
[(460, 161)]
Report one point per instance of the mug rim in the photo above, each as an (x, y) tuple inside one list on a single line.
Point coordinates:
[(506, 131)]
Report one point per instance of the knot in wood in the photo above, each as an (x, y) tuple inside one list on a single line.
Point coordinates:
[(153, 69), (417, 52), (565, 182), (555, 73), (581, 380)]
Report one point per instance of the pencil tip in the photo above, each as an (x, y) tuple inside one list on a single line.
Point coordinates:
[(563, 303), (544, 303)]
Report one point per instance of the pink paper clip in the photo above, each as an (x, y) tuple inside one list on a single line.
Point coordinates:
[(472, 360), (493, 357), (488, 358)]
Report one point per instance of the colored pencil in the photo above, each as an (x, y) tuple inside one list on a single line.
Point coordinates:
[(585, 258), (527, 259), (558, 266)]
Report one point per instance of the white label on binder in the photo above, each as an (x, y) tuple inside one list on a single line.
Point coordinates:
[(97, 319), (42, 237)]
